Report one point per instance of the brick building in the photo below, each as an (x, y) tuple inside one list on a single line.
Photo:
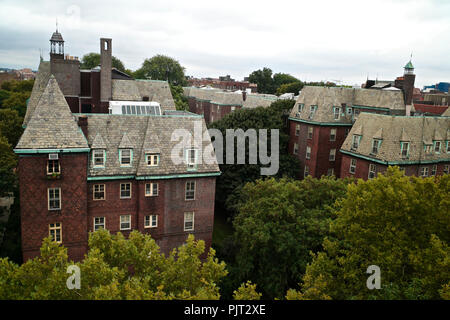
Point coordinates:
[(322, 118), (214, 103), (418, 145), (224, 83), (81, 172)]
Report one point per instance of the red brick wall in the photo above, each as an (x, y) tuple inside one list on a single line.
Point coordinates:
[(35, 216)]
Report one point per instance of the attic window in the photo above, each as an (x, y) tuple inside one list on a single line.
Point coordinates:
[(312, 111), (428, 148), (337, 113), (437, 146), (152, 159), (98, 158), (356, 141), (376, 143), (126, 157), (191, 158), (404, 147)]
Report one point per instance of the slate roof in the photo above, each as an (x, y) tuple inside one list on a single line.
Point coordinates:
[(52, 125), (151, 134), (418, 131), (325, 98), (446, 113), (135, 90), (40, 83)]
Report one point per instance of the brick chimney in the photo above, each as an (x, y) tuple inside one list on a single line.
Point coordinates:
[(105, 71), (83, 124), (244, 94)]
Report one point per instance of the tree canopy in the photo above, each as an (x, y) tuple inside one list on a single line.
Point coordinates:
[(92, 60), (161, 67), (8, 162), (398, 223)]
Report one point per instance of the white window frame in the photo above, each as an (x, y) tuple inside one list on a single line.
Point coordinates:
[(356, 140), (297, 130), (332, 156), (306, 171), (437, 143), (120, 190), (122, 217), (57, 226), (53, 167), (152, 186), (333, 133), (336, 113), (308, 153), (424, 171), (98, 191), (376, 143), (130, 157), (95, 156), (434, 170), (99, 224), (190, 191), (372, 171), (310, 132), (189, 220), (151, 221), (154, 159), (59, 199), (352, 168), (191, 162), (404, 146), (295, 148)]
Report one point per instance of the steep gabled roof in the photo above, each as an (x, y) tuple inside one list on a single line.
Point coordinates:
[(52, 125), (40, 83)]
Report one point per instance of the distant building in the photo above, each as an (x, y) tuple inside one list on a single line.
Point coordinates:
[(441, 87), (224, 83)]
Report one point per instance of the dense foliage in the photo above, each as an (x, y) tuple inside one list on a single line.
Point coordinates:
[(92, 60), (181, 101), (161, 67)]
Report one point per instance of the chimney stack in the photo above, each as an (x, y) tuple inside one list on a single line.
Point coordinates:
[(105, 69), (83, 124), (244, 94)]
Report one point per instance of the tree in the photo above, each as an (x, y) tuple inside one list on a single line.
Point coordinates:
[(116, 268), (161, 67), (398, 223), (293, 87), (235, 176), (247, 291), (10, 126), (17, 101), (181, 102), (283, 78), (263, 78), (4, 94), (279, 223), (8, 162), (92, 60)]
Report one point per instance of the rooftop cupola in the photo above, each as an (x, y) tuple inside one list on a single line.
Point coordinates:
[(409, 68), (56, 45)]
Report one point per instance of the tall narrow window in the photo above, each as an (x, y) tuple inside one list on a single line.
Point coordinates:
[(190, 190), (447, 169), (98, 158), (404, 148), (376, 143), (437, 147), (297, 129), (99, 223), (126, 157), (352, 169), (125, 222), (448, 146), (333, 135), (308, 152), (191, 157), (310, 132), (295, 148), (306, 172), (356, 141), (312, 111), (54, 198), (433, 170), (55, 232), (188, 221), (337, 113), (332, 155), (125, 190), (151, 189), (53, 167), (99, 192), (372, 171)]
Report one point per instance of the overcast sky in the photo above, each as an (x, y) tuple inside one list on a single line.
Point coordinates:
[(314, 40)]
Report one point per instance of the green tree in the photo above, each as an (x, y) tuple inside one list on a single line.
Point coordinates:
[(279, 223), (263, 78), (8, 163), (283, 78), (10, 126), (116, 268), (235, 176), (17, 101), (293, 87), (161, 67), (181, 102), (4, 94), (92, 60), (247, 291), (398, 223)]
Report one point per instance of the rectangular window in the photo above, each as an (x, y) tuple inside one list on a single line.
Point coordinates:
[(356, 141), (349, 111), (308, 152), (448, 146), (312, 111), (333, 135), (424, 171), (404, 146), (54, 198), (190, 190), (126, 157), (152, 160), (297, 129), (310, 132), (447, 169), (300, 107), (151, 189), (330, 172), (98, 158), (352, 169), (306, 172), (151, 221), (433, 170), (55, 232), (99, 223), (372, 171), (347, 130), (125, 222), (337, 113), (355, 114), (53, 167), (125, 190), (375, 145), (99, 192), (437, 147), (295, 148), (191, 158), (428, 148), (332, 156), (188, 221)]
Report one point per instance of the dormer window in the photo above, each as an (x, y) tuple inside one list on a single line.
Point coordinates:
[(376, 143), (300, 107), (337, 113), (152, 159), (404, 148), (312, 111), (98, 158), (356, 141), (428, 148), (191, 158), (125, 157), (437, 146)]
